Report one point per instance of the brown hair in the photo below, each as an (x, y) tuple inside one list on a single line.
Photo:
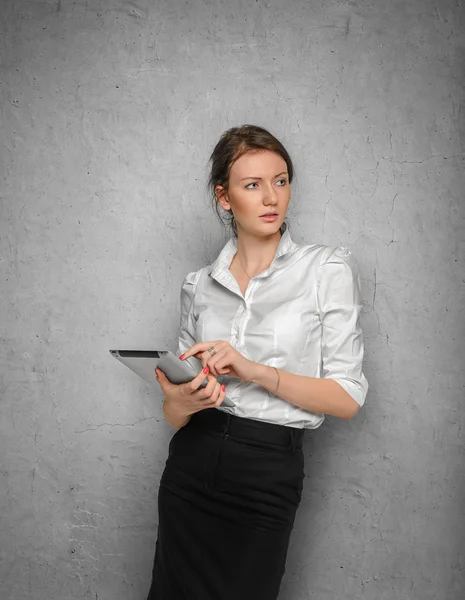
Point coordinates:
[(233, 144)]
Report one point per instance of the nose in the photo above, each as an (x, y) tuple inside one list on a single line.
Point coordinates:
[(270, 196)]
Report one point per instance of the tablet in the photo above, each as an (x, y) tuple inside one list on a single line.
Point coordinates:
[(144, 362)]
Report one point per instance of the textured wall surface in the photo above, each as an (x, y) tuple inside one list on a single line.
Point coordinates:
[(109, 110)]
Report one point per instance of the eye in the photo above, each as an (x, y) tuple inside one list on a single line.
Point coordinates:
[(284, 181)]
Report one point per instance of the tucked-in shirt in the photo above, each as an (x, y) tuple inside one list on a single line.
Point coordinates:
[(300, 315)]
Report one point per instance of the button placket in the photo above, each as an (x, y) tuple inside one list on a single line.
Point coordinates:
[(235, 327)]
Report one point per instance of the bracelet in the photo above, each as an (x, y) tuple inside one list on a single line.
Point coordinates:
[(277, 385)]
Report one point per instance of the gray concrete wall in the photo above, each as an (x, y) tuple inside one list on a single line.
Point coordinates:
[(109, 110)]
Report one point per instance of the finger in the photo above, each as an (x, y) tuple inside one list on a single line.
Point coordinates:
[(194, 384), (200, 347), (203, 395), (161, 378), (194, 392), (203, 358), (213, 395), (218, 363), (220, 398), (221, 368), (212, 389)]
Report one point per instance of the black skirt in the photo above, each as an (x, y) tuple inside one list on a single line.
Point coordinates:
[(226, 505)]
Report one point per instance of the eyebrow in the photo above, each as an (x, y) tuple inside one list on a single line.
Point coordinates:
[(282, 173)]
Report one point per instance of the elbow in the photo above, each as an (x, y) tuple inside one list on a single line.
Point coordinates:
[(349, 407), (352, 410)]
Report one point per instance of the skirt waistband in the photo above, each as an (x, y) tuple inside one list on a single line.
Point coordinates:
[(242, 427)]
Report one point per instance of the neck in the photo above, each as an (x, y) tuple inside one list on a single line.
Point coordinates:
[(256, 254)]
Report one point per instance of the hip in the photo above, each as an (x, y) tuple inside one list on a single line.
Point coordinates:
[(239, 463)]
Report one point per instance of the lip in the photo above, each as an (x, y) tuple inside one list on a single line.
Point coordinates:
[(269, 218)]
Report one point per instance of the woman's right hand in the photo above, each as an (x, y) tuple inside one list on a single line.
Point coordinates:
[(183, 400)]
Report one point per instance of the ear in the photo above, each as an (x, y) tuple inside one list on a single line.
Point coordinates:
[(222, 197)]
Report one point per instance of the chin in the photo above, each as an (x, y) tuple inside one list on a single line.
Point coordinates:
[(270, 228)]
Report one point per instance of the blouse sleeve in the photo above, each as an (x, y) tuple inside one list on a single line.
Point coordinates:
[(186, 333), (339, 300)]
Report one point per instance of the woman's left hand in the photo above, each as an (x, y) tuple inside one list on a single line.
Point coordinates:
[(226, 361)]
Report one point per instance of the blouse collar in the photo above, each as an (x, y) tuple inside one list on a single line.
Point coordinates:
[(219, 269)]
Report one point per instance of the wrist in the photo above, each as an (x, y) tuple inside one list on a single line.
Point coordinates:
[(173, 416), (256, 373), (265, 376)]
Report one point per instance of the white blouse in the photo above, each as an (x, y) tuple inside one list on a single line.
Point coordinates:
[(300, 315)]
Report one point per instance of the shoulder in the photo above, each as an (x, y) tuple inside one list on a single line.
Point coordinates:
[(339, 272), (321, 254), (330, 260), (339, 255), (188, 290), (192, 279)]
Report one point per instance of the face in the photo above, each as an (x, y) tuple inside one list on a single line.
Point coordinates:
[(258, 184)]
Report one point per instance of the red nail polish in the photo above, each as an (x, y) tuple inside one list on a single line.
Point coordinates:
[(223, 387), (182, 356), (206, 370)]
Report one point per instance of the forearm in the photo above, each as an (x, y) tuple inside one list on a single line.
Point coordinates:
[(173, 417), (324, 396)]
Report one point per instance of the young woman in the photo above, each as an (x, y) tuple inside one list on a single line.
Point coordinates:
[(275, 326)]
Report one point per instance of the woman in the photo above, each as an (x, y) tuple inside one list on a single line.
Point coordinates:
[(275, 326)]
